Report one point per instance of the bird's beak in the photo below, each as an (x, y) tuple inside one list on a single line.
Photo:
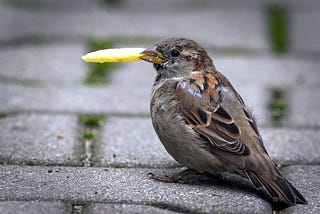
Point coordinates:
[(152, 55)]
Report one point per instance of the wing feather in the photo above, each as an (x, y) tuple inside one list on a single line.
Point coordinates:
[(201, 108)]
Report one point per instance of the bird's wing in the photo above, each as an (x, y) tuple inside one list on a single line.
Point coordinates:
[(202, 99), (200, 96)]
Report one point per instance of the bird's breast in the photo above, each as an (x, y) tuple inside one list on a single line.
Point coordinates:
[(179, 139)]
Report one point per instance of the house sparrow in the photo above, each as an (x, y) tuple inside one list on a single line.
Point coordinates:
[(203, 122)]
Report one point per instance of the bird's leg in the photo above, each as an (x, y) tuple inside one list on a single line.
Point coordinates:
[(181, 177)]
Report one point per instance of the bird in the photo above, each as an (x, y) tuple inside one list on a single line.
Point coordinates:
[(203, 122)]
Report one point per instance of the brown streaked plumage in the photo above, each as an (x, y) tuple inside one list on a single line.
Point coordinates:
[(203, 122)]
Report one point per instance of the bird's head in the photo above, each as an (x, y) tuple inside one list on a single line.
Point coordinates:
[(176, 57)]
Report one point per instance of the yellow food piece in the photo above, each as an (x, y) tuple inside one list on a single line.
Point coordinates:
[(114, 55)]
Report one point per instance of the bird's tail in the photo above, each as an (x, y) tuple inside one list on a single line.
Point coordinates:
[(278, 187)]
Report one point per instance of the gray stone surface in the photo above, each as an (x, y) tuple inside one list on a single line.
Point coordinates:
[(289, 146), (134, 74), (34, 139), (52, 19), (304, 106), (41, 71), (82, 99), (125, 186), (57, 6), (132, 142), (306, 180), (305, 31), (58, 64), (34, 207), (104, 21), (269, 71), (124, 209)]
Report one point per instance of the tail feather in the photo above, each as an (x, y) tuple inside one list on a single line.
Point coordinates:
[(254, 179), (285, 190), (278, 188), (272, 191), (299, 198)]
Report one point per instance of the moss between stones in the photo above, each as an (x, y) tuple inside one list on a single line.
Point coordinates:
[(278, 28), (3, 161), (89, 136), (92, 121), (277, 106), (90, 127)]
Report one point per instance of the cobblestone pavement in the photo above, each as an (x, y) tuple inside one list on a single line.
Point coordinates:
[(46, 165)]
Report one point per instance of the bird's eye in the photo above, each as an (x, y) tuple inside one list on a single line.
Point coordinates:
[(175, 53)]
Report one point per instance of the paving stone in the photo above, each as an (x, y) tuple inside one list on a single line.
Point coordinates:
[(304, 31), (289, 146), (35, 207), (269, 71), (111, 185), (39, 139), (57, 64), (304, 106), (80, 99), (306, 180), (33, 139), (135, 74), (132, 142), (19, 23), (155, 6), (303, 6), (53, 5), (57, 19), (124, 209)]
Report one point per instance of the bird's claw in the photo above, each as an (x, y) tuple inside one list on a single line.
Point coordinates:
[(166, 179)]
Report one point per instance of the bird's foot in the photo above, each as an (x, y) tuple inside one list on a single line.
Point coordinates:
[(181, 178)]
